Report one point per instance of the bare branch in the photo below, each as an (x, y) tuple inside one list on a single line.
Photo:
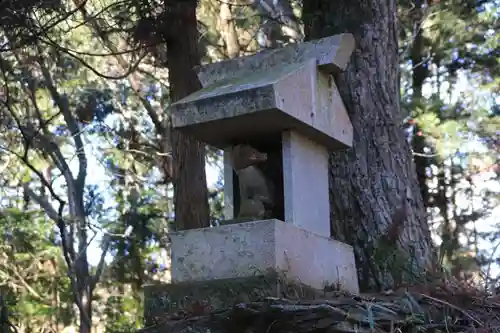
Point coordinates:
[(102, 260), (30, 289), (42, 202), (69, 262), (63, 105)]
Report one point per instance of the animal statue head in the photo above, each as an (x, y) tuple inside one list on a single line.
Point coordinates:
[(243, 156)]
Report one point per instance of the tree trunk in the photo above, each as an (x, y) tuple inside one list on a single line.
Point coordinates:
[(86, 314), (373, 186), (229, 32), (82, 273), (189, 178), (420, 72)]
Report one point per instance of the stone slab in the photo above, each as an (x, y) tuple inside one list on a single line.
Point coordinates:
[(161, 300), (253, 248), (285, 97), (305, 181), (331, 54), (228, 186)]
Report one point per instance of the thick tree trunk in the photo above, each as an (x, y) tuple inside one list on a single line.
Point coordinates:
[(86, 317), (373, 186), (420, 72), (190, 182)]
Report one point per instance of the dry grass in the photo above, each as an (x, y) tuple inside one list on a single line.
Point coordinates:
[(443, 306)]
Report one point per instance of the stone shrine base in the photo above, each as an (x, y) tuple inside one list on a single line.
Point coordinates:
[(254, 248), (244, 262)]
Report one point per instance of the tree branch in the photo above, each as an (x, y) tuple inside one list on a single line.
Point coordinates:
[(42, 202), (102, 261), (63, 105), (123, 63)]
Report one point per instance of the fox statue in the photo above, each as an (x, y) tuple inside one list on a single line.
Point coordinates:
[(256, 190)]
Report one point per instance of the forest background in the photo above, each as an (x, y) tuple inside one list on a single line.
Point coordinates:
[(87, 159)]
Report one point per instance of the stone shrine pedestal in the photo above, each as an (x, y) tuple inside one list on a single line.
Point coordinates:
[(255, 248)]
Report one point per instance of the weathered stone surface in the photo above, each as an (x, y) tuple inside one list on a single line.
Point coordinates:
[(272, 91), (252, 248), (331, 54), (284, 97), (228, 186), (305, 181), (160, 300)]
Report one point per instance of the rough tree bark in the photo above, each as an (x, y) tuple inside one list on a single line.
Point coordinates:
[(420, 72), (373, 186), (189, 177)]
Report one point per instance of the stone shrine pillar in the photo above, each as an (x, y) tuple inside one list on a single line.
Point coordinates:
[(283, 102)]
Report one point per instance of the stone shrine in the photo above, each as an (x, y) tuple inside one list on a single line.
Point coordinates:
[(285, 103)]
